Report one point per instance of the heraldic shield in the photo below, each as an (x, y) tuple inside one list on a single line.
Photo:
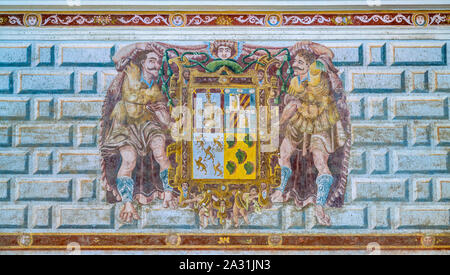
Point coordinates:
[(224, 133)]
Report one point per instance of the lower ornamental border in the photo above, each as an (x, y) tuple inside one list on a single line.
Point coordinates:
[(221, 241)]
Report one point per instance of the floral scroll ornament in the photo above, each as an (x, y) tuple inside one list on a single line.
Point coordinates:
[(224, 20), (342, 20), (438, 19), (3, 20), (250, 19), (306, 20), (198, 20), (147, 20), (103, 20), (387, 19)]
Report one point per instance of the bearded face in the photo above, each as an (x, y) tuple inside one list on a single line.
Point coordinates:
[(151, 64)]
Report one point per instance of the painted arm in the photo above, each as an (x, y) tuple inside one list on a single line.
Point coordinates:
[(288, 112), (292, 105), (161, 112), (127, 53)]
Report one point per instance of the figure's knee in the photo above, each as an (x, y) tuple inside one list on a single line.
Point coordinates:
[(158, 147), (286, 152), (321, 161), (285, 160), (128, 159)]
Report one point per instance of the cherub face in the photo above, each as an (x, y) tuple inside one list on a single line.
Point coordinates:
[(32, 20), (224, 52), (273, 20), (300, 65), (151, 64), (428, 241), (178, 20), (172, 239), (420, 20)]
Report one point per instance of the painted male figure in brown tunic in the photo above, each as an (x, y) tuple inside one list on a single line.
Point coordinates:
[(313, 126), (137, 129)]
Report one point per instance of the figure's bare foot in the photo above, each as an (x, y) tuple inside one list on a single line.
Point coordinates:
[(128, 213), (169, 200), (160, 195), (322, 217), (277, 196), (308, 201)]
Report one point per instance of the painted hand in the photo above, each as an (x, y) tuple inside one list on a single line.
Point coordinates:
[(289, 111), (160, 109)]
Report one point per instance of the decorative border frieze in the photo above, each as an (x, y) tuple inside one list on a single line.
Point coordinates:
[(205, 19)]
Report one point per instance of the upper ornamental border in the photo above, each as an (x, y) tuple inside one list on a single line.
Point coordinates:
[(238, 19)]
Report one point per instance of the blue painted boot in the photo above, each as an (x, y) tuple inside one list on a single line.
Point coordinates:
[(286, 173), (164, 175), (125, 186), (324, 183)]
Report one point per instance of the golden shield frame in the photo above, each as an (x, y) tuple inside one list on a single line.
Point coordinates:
[(224, 78)]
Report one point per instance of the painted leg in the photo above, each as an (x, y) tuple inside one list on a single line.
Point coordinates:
[(244, 215), (125, 184), (158, 147), (203, 218), (236, 216), (324, 182), (286, 150), (212, 218)]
